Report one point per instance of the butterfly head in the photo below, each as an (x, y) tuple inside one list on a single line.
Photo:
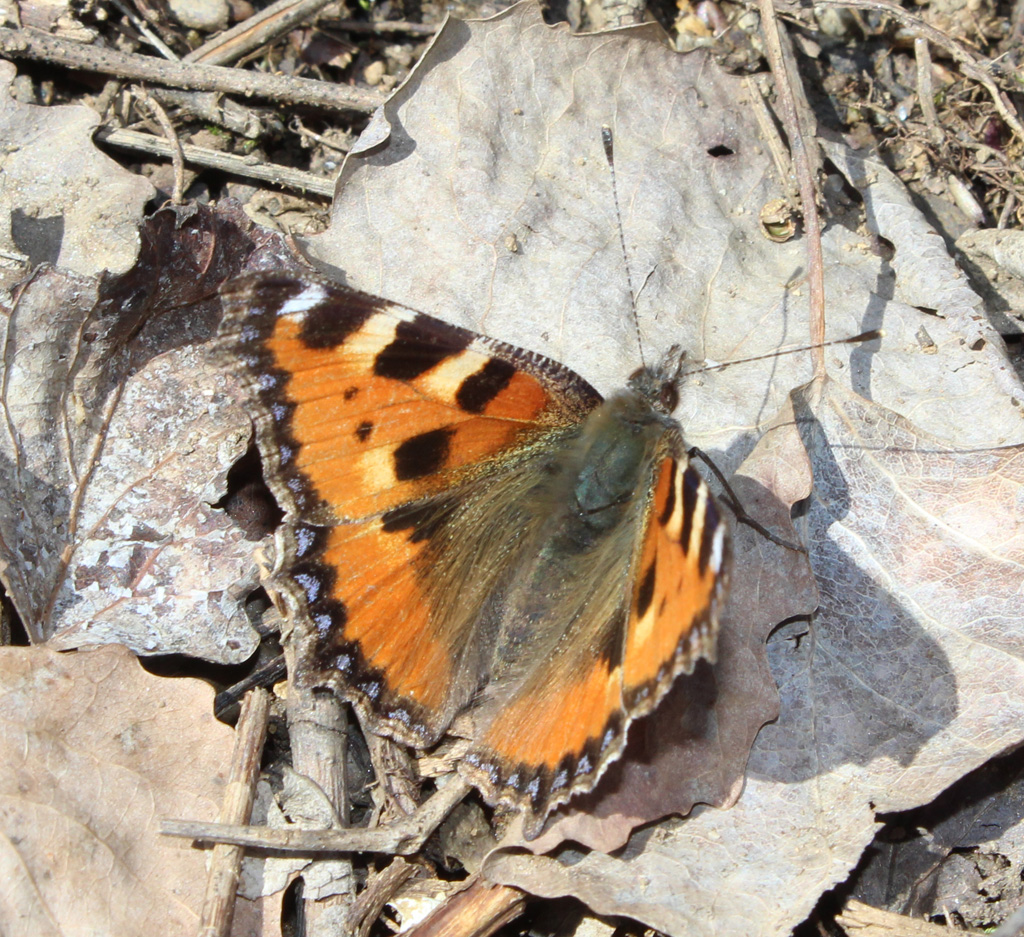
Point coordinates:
[(659, 386)]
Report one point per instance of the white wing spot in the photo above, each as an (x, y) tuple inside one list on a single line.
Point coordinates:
[(311, 296), (717, 545)]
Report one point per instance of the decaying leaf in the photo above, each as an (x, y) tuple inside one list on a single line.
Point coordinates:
[(120, 435), (92, 754)]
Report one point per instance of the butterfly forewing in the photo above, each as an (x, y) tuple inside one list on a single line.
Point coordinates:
[(679, 584)]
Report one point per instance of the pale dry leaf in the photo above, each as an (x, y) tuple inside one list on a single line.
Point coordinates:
[(96, 751), (121, 432), (496, 139), (59, 190)]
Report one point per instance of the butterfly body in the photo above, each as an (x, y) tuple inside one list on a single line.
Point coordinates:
[(472, 532)]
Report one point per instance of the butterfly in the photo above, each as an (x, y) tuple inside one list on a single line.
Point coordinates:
[(471, 532)]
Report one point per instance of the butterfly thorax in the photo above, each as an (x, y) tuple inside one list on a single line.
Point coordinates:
[(613, 458)]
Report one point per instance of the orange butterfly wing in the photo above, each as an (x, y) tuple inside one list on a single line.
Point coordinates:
[(372, 418), (679, 584)]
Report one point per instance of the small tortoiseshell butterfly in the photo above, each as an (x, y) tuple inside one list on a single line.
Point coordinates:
[(471, 530)]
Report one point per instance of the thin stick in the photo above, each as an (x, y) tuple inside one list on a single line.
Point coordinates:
[(38, 46), (222, 881), (478, 911), (1008, 206), (380, 889), (784, 79), (318, 732), (143, 27), (244, 166), (770, 134), (258, 30), (400, 838), (170, 137), (381, 27), (925, 94)]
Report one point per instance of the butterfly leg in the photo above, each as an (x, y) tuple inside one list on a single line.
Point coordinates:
[(695, 452)]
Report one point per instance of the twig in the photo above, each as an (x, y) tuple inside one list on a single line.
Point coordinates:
[(170, 137), (265, 675), (245, 166), (32, 44), (379, 890), (382, 26), (478, 911), (222, 881), (784, 80), (400, 838), (925, 94), (770, 134), (212, 108), (296, 126), (1008, 206), (258, 30), (143, 27), (971, 64), (318, 732)]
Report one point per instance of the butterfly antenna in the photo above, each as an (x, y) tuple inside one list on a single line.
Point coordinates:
[(609, 155), (863, 337)]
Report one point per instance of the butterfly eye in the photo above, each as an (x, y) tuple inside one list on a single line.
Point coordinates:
[(669, 396)]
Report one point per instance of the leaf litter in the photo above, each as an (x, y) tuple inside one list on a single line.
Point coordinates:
[(907, 678)]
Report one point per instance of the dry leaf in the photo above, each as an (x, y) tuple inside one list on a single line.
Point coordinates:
[(94, 750), (120, 435), (59, 190)]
